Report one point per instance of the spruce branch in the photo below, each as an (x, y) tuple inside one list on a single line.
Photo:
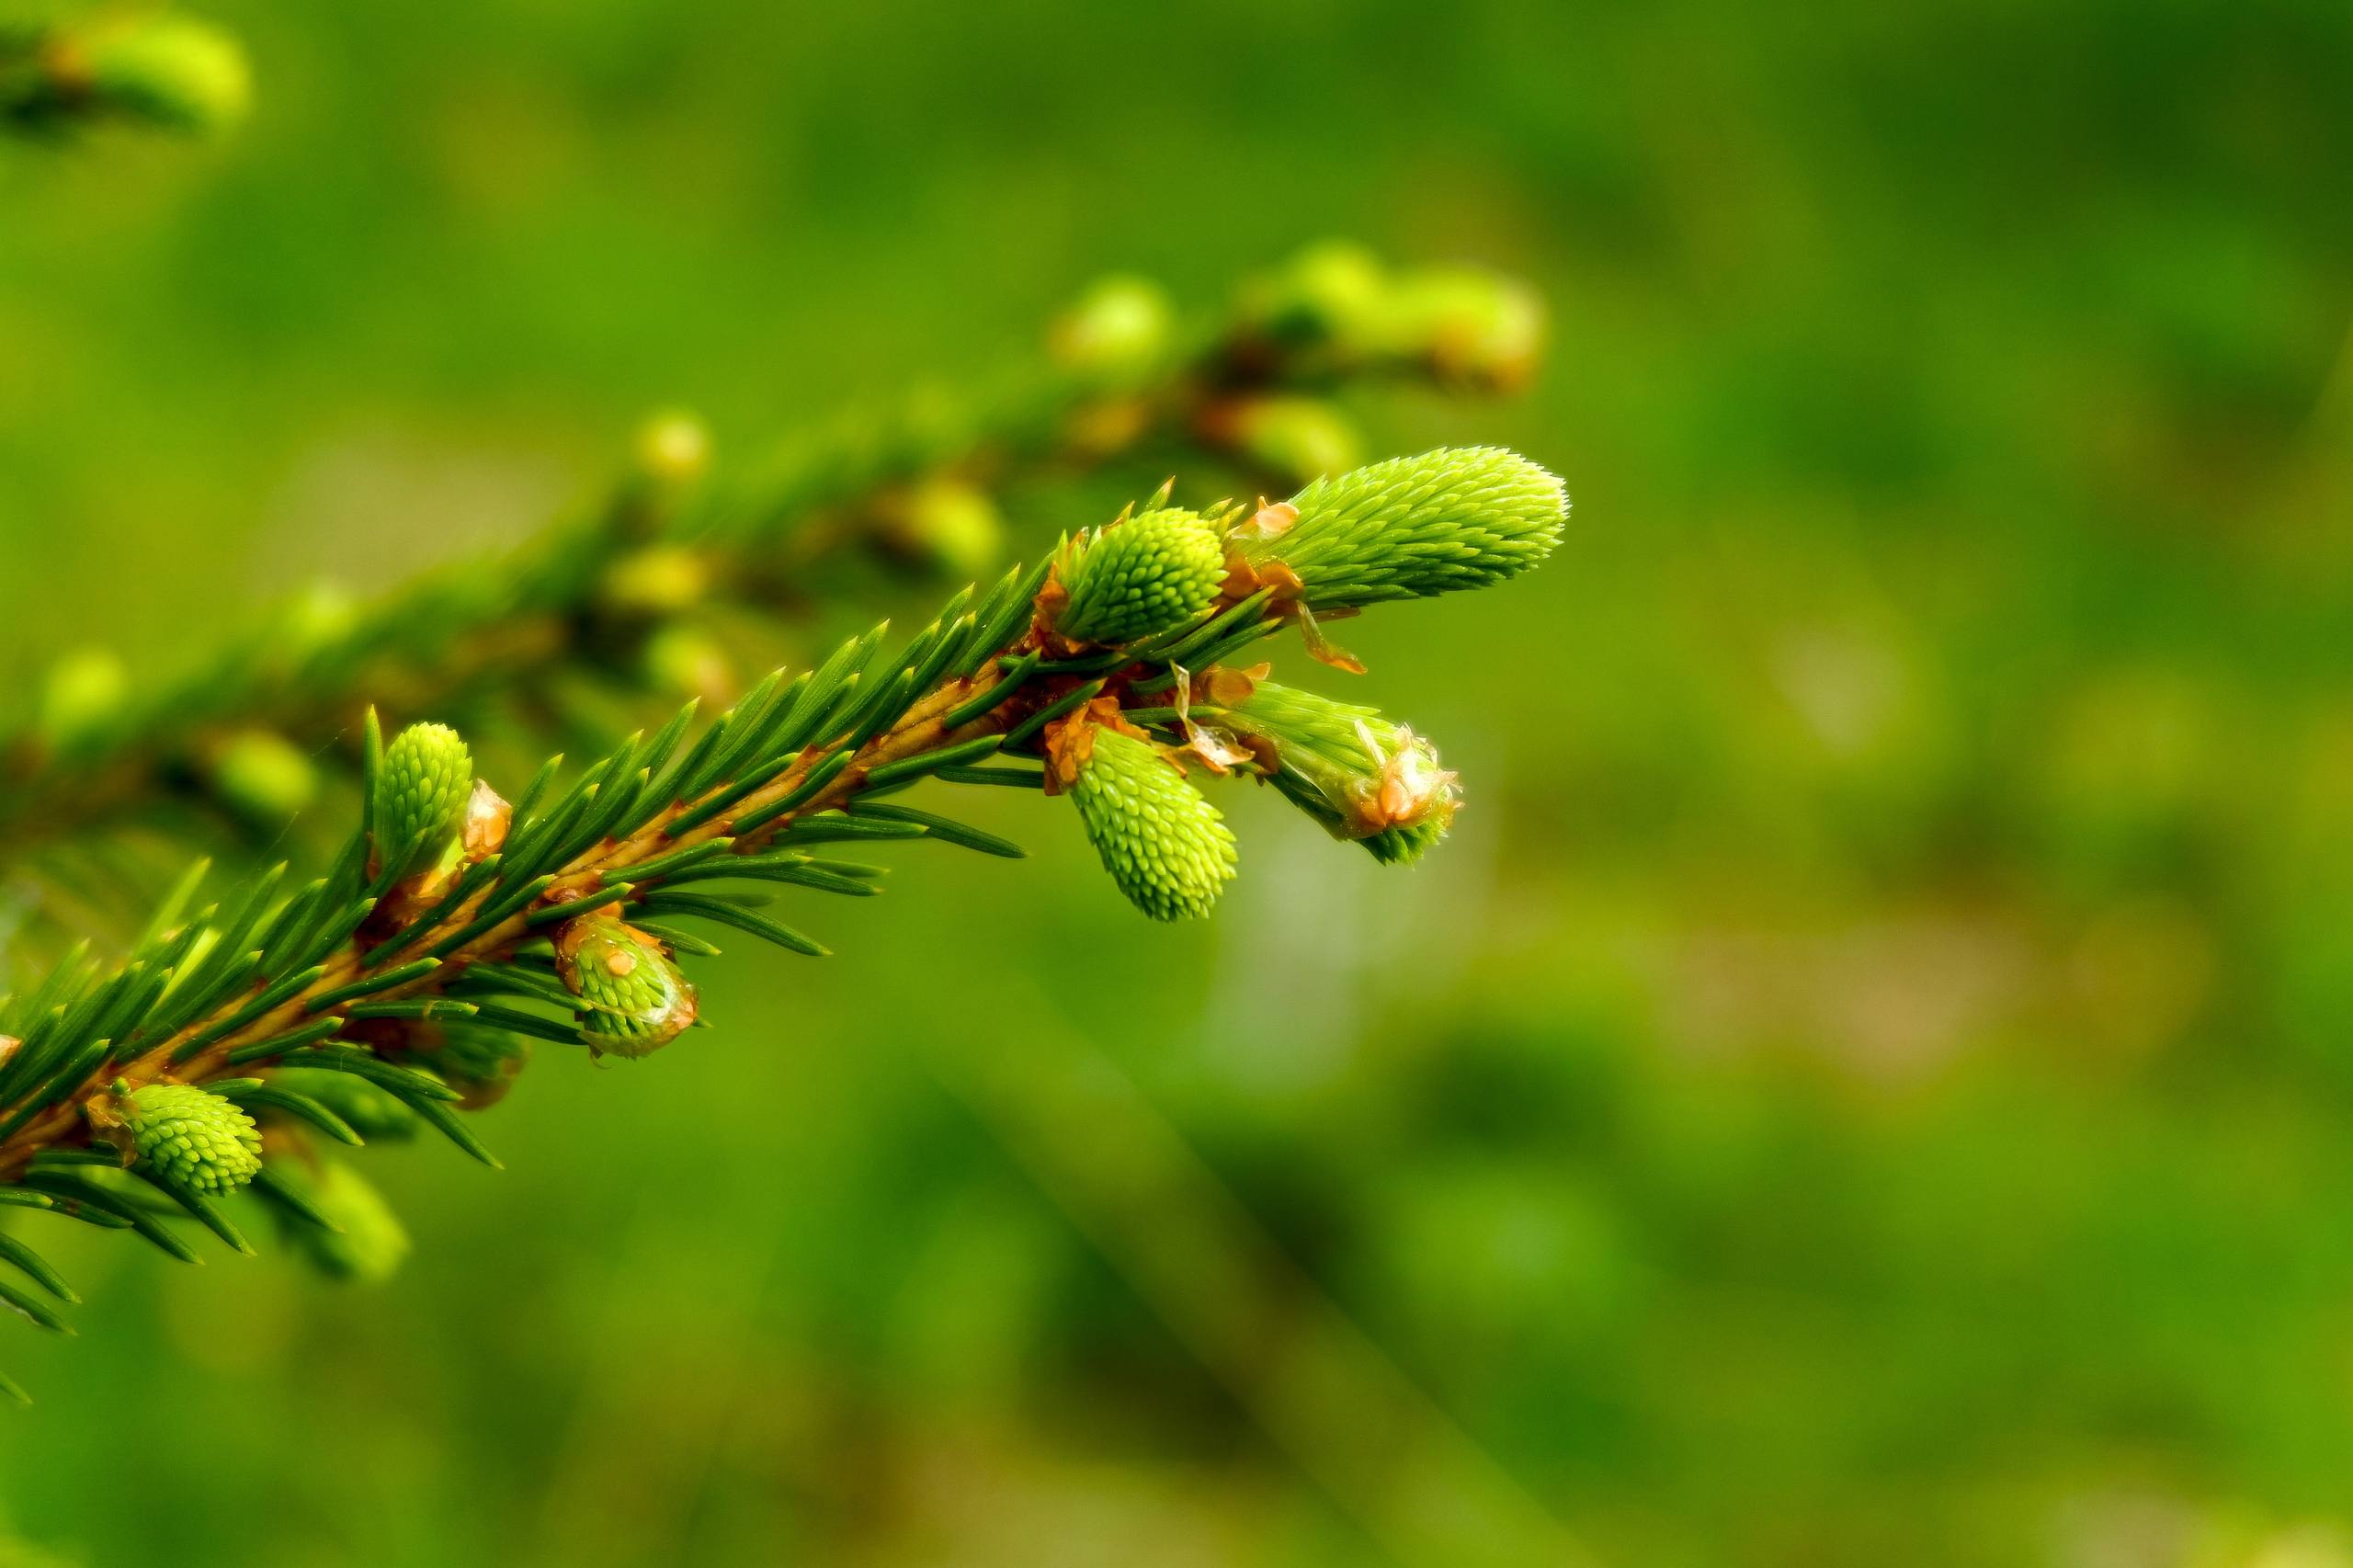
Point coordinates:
[(620, 596), (407, 985)]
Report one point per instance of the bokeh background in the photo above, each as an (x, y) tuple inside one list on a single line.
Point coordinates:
[(1872, 1079)]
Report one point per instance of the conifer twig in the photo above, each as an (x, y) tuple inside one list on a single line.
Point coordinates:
[(244, 729), (455, 928)]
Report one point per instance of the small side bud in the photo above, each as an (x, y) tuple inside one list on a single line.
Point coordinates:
[(634, 999), (1363, 777), (421, 795), (1120, 329), (1163, 843), (1133, 579), (194, 1141), (1455, 518), (368, 1244)]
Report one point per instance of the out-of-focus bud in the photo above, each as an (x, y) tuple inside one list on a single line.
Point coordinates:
[(685, 661), (661, 579), (1331, 294), (82, 691), (672, 449), (262, 777), (172, 72), (1472, 328), (368, 1244), (950, 526), (1120, 329), (1297, 439)]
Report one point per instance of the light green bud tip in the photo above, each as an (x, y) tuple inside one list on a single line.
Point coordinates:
[(369, 1244), (170, 71), (1159, 837), (197, 1141), (1364, 777), (634, 999), (1458, 517), (421, 793), (1155, 571)]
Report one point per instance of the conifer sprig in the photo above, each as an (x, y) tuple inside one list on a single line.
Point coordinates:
[(619, 597), (455, 930)]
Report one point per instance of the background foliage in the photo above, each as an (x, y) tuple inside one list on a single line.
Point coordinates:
[(1869, 1082)]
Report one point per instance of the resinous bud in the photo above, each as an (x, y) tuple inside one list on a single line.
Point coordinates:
[(634, 1000), (1163, 843)]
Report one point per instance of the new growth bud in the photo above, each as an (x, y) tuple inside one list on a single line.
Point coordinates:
[(1455, 518), (1140, 576), (1159, 837), (370, 1243), (196, 1142), (1363, 777), (421, 796), (1119, 330), (634, 999)]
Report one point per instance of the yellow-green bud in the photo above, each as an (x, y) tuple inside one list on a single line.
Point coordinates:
[(1153, 572), (633, 998), (369, 1244), (1458, 517), (1159, 837), (263, 776), (660, 579), (194, 1141), (170, 71), (421, 795)]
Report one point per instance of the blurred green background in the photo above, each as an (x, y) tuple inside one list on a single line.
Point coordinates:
[(1871, 1080)]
